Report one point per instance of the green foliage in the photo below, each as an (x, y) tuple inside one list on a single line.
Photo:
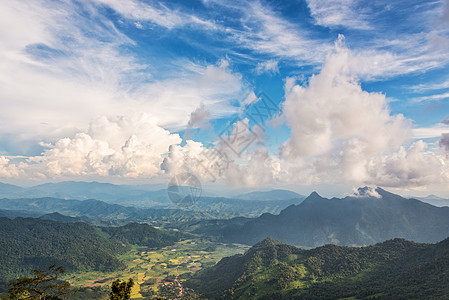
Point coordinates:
[(142, 235), (42, 285), (121, 290), (395, 269), (28, 244)]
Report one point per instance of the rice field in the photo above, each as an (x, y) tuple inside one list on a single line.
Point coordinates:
[(152, 269)]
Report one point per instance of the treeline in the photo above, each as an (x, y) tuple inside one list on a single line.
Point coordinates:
[(395, 269), (28, 244)]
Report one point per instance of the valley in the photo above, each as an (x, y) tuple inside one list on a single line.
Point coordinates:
[(224, 150), (158, 272), (354, 247)]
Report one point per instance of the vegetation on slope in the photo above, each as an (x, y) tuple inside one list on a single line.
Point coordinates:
[(29, 244), (396, 269)]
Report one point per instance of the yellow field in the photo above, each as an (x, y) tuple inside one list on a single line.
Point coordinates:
[(150, 268)]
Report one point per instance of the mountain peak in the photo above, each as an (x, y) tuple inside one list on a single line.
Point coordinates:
[(314, 194), (367, 192), (267, 242)]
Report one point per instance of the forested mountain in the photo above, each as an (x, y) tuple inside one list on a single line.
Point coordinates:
[(99, 212), (221, 207), (361, 220), (205, 208), (11, 214), (142, 235), (61, 218), (395, 269), (28, 243)]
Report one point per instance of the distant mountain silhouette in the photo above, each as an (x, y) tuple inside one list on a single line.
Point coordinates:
[(370, 217), (434, 200), (152, 196)]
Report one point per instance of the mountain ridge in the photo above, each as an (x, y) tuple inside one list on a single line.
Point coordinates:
[(270, 269), (352, 220)]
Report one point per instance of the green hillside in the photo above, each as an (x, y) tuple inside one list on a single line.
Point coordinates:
[(28, 244), (395, 269), (142, 235)]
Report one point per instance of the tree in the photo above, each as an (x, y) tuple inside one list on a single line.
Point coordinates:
[(121, 290), (43, 285)]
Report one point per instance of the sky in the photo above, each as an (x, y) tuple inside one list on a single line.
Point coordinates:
[(306, 95)]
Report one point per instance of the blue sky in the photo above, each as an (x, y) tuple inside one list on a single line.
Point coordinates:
[(138, 91)]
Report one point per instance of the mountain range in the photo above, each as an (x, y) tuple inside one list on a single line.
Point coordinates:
[(364, 219), (144, 196), (95, 211), (394, 269), (434, 200)]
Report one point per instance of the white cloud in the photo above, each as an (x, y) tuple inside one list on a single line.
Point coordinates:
[(237, 158), (445, 12), (269, 66), (365, 193), (431, 97), (72, 63), (266, 32), (430, 132), (337, 126), (340, 13), (9, 170), (122, 146), (333, 112), (250, 99), (415, 166), (57, 67), (162, 15), (198, 117), (431, 86), (339, 134)]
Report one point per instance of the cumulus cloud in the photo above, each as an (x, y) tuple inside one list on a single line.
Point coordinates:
[(121, 146), (333, 113), (415, 166), (8, 169), (198, 116), (340, 131), (237, 158), (71, 57)]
